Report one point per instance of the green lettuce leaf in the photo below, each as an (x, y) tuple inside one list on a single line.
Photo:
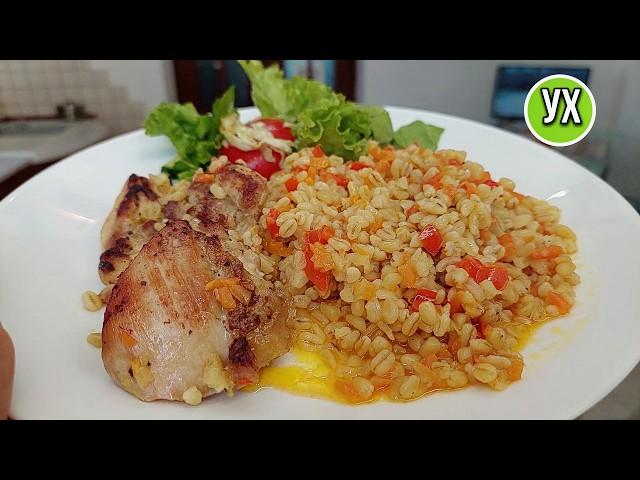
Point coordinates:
[(342, 130), (426, 136), (381, 127), (286, 99), (223, 106), (195, 137), (323, 125), (319, 115)]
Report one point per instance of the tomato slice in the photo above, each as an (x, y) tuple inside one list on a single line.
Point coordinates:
[(319, 235), (291, 184), (358, 165), (319, 278), (277, 128), (498, 276), (487, 180), (254, 159), (471, 265), (340, 180), (273, 228), (480, 272), (491, 183), (431, 240), (422, 295), (317, 151)]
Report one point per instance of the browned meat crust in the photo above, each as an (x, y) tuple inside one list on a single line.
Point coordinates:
[(162, 330), (161, 320), (246, 188), (135, 186), (138, 208), (128, 227)]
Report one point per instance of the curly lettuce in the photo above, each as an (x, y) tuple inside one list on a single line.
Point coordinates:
[(286, 99), (195, 137), (342, 130), (426, 136), (319, 115)]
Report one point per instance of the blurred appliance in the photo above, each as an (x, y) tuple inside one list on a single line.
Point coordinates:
[(513, 82)]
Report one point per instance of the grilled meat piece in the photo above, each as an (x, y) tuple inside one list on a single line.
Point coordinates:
[(164, 333), (128, 227), (138, 208)]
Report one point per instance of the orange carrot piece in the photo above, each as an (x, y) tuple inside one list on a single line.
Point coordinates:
[(514, 372), (545, 253), (556, 299), (375, 226), (429, 359), (508, 243), (321, 257), (225, 298), (277, 248), (204, 178), (414, 208), (408, 275), (469, 187)]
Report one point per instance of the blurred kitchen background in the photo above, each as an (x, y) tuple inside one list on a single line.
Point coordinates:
[(50, 109)]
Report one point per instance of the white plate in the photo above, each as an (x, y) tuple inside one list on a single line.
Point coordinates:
[(50, 248)]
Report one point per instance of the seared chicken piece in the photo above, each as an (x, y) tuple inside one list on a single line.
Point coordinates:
[(164, 333), (246, 190), (244, 193), (128, 227), (138, 208)]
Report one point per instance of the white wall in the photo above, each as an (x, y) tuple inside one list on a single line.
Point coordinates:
[(147, 81), (443, 86), (465, 88)]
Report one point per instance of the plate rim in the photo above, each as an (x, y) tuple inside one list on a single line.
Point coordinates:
[(626, 208)]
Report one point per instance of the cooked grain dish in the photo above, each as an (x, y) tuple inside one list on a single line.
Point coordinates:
[(391, 267), (406, 271), (411, 270)]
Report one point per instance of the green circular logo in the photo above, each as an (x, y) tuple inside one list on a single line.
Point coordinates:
[(560, 110)]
